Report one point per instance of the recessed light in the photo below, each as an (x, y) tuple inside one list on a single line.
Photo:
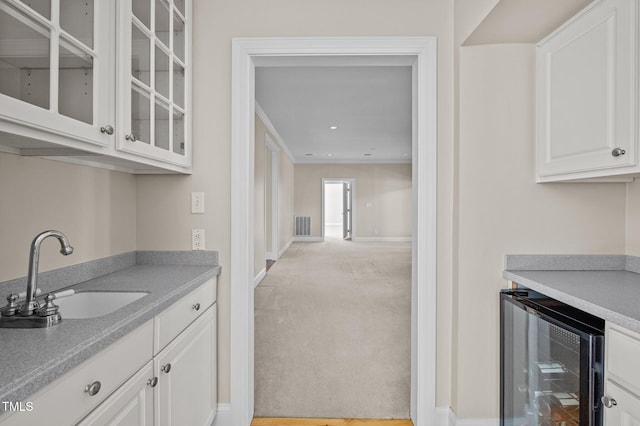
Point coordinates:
[(367, 155), (405, 155), (329, 155), (333, 127), (309, 155)]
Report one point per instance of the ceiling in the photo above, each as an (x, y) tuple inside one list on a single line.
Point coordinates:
[(523, 21), (371, 105)]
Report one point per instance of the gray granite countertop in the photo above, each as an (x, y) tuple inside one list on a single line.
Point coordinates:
[(605, 286), (33, 358)]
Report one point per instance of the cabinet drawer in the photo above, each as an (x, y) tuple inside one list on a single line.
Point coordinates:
[(176, 318), (622, 358), (65, 401), (132, 404)]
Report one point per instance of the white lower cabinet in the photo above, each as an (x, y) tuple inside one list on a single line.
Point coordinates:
[(622, 387), (626, 411), (159, 374), (186, 371)]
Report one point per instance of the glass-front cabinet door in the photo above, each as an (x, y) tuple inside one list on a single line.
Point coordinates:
[(54, 68), (153, 79)]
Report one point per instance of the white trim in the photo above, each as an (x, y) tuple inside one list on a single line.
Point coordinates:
[(286, 247), (445, 416), (352, 161), (263, 116), (305, 239), (477, 422), (275, 198), (223, 416), (9, 149), (423, 312), (382, 239), (258, 278)]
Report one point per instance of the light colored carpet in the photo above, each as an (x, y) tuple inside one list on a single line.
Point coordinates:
[(332, 332)]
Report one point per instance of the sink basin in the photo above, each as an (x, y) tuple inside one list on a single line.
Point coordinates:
[(93, 304)]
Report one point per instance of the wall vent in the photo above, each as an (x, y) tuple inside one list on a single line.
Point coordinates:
[(303, 226)]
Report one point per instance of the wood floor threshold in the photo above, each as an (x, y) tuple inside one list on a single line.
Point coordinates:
[(264, 421)]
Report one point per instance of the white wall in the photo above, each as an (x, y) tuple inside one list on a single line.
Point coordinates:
[(503, 211), (216, 23), (381, 203), (94, 208)]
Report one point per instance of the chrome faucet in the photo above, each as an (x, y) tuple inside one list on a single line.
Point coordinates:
[(30, 304), (31, 314)]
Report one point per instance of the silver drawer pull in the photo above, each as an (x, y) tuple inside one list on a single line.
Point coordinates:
[(166, 368), (608, 402), (130, 137), (152, 382), (617, 152), (93, 388), (196, 307)]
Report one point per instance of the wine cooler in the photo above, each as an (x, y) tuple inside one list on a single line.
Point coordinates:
[(552, 359)]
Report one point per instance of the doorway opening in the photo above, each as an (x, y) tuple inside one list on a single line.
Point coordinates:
[(420, 54), (337, 208)]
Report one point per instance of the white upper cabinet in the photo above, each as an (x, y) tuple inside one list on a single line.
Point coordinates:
[(55, 69), (586, 95), (99, 82), (153, 79)]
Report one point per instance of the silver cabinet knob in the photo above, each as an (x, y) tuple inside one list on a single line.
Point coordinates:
[(196, 307), (107, 129), (93, 388), (165, 368), (131, 137), (152, 382), (617, 152), (608, 402)]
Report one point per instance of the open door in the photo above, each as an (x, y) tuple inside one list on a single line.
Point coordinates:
[(346, 210)]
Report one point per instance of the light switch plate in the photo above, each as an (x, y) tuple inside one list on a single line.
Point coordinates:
[(197, 202)]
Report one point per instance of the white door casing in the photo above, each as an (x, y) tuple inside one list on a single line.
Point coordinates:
[(421, 51)]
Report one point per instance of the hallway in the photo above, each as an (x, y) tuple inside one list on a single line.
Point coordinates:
[(332, 332)]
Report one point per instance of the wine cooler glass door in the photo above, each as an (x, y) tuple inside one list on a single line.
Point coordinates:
[(548, 372)]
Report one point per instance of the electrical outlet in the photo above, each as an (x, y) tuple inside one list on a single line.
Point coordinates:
[(197, 202), (197, 239)]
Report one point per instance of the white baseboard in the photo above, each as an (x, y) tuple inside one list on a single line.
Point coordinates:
[(223, 417), (477, 422), (259, 277), (270, 255), (304, 239), (285, 248), (382, 239), (446, 417)]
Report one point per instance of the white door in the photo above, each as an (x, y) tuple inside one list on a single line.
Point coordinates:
[(625, 412), (585, 92), (346, 210), (186, 371)]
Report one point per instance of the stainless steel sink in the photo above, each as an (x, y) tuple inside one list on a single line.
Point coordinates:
[(93, 304)]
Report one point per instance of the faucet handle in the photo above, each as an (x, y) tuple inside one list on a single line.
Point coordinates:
[(11, 307), (49, 308)]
